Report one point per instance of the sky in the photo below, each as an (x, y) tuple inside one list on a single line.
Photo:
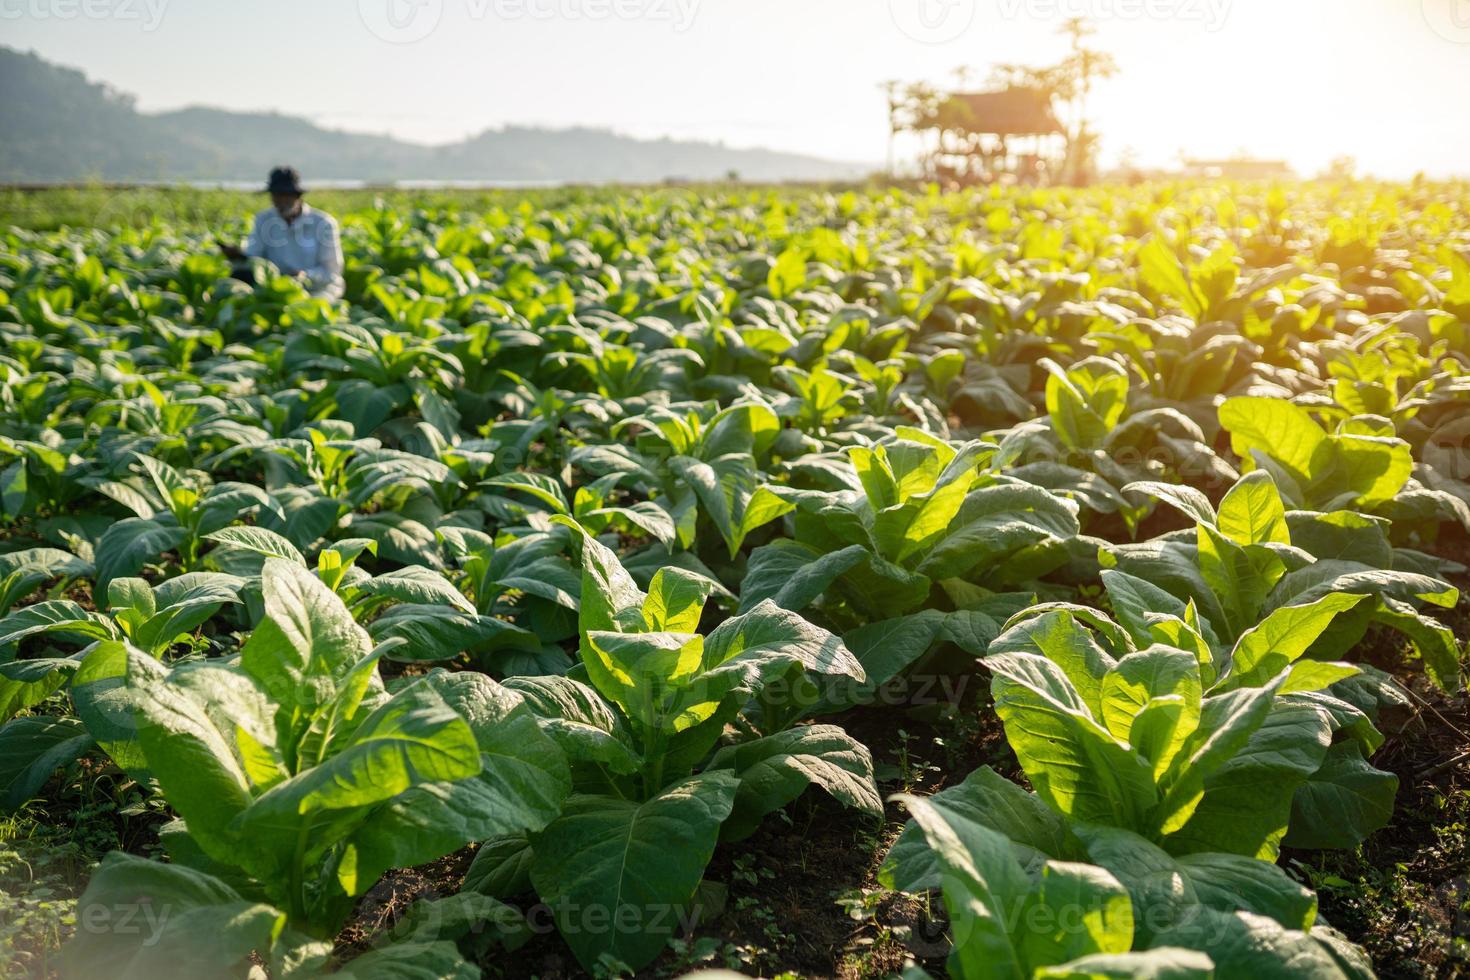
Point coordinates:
[(1384, 81)]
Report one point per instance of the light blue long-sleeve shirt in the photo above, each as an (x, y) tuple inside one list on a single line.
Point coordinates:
[(309, 243)]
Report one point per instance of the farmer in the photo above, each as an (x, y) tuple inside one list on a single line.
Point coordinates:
[(300, 240)]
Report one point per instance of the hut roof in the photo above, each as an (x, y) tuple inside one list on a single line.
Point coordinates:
[(1008, 112)]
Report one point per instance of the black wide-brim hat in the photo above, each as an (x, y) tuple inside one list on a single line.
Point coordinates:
[(284, 180)]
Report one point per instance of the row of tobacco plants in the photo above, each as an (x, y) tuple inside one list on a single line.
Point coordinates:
[(575, 533)]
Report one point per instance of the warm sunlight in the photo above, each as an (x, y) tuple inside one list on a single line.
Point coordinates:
[(1306, 81)]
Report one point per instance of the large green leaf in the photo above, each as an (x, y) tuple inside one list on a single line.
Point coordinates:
[(1076, 766), (412, 739), (411, 961), (520, 787), (1252, 513), (1341, 803), (794, 575), (621, 874), (1075, 910), (1237, 787), (985, 797), (675, 600), (1276, 428), (418, 585), (776, 769), (1164, 963), (191, 752), (582, 724), (306, 641), (130, 544), (31, 749), (1264, 651), (444, 632), (746, 652), (56, 616), (146, 920), (1086, 401), (983, 883)]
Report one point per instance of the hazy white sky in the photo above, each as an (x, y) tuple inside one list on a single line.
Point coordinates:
[(1386, 81)]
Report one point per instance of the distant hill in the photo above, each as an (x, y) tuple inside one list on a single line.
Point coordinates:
[(57, 125)]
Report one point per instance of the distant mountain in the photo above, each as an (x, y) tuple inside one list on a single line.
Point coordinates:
[(56, 125)]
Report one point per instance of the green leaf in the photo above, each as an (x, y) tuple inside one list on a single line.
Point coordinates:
[(1252, 512), (996, 523), (1241, 576), (418, 585), (1161, 271), (776, 769), (883, 650), (730, 495), (675, 600), (788, 274), (576, 717), (983, 886), (1436, 644), (258, 540), (467, 915), (184, 603), (1256, 752), (1167, 889), (1341, 803), (445, 632), (1086, 401), (1243, 944), (522, 782), (501, 868), (643, 674), (307, 639), (543, 488), (1075, 765), (31, 749), (191, 752), (1187, 500), (1035, 831), (610, 600), (145, 920), (1057, 637), (1264, 651), (746, 652), (1144, 678), (1370, 470), (1232, 881), (131, 595), (410, 961), (1279, 429), (1163, 963), (608, 860), (16, 695), (794, 575), (411, 739), (99, 694), (56, 616), (1075, 910), (128, 545)]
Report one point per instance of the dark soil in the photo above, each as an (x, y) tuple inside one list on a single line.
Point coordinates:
[(1402, 894)]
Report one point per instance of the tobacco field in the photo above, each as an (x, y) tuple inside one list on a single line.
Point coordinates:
[(794, 582)]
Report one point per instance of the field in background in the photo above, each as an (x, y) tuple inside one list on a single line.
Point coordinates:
[(1131, 520)]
